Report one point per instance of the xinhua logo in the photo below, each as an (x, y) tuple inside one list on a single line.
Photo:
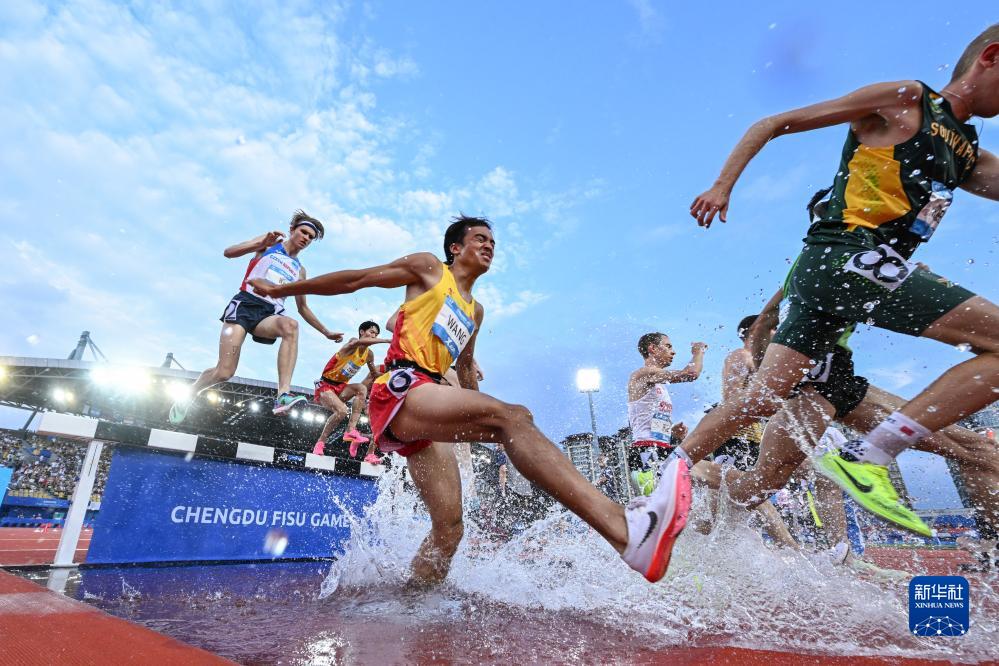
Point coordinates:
[(939, 605)]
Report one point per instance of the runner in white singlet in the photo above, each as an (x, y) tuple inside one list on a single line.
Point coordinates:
[(650, 408), (275, 259)]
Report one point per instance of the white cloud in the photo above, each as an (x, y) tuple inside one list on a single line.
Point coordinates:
[(498, 306), (139, 142), (650, 20)]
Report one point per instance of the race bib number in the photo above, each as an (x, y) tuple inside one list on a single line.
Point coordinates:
[(453, 327), (349, 370), (883, 266), (929, 216), (819, 373), (278, 274), (661, 426), (230, 311), (400, 381)]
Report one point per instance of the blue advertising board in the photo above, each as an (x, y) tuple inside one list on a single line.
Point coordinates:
[(163, 507), (5, 474)]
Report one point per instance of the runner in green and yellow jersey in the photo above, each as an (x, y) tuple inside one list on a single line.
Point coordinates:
[(908, 148)]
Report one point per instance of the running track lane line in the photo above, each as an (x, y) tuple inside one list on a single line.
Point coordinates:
[(40, 627)]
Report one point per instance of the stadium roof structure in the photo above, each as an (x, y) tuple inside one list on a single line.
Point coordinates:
[(239, 409)]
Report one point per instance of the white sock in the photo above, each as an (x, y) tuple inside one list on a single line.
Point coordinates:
[(895, 434)]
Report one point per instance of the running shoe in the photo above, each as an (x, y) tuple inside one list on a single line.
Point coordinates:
[(178, 411), (285, 402), (869, 485), (372, 459), (654, 522), (319, 449), (356, 439)]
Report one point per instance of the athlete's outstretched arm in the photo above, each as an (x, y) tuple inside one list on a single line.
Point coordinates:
[(862, 103), (310, 316), (408, 270), (354, 343), (984, 179), (465, 366), (760, 332), (690, 372), (258, 244)]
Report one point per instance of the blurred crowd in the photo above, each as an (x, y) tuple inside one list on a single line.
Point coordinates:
[(47, 467)]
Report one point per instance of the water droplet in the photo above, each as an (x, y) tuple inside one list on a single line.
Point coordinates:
[(822, 267), (827, 250), (971, 261), (931, 409), (901, 90), (870, 305), (916, 172), (189, 456), (963, 347)]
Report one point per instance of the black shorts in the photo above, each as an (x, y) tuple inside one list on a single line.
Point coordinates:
[(744, 453), (834, 379), (653, 454), (248, 310)]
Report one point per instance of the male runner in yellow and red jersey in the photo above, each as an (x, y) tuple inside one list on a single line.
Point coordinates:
[(414, 415), (334, 389)]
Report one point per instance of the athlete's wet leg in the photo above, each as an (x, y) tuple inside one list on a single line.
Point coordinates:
[(782, 369), (338, 412), (800, 423), (435, 474), (976, 456), (286, 328), (446, 414), (356, 393), (969, 386), (230, 343)]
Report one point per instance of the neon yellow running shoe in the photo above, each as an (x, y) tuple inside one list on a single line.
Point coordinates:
[(869, 485), (645, 482)]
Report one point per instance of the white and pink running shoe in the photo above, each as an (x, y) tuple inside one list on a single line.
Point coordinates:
[(655, 522)]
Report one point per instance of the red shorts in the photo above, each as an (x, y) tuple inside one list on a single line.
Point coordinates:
[(322, 386), (387, 395)]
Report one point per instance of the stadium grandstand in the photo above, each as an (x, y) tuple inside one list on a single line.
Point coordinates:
[(236, 410)]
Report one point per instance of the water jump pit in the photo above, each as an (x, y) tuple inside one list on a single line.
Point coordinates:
[(552, 593)]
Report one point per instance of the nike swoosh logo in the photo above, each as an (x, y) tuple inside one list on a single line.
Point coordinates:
[(862, 487), (653, 520)]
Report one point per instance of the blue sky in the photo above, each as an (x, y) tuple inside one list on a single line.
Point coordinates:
[(140, 140)]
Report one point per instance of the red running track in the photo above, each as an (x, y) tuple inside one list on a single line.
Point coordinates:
[(21, 546), (41, 627)]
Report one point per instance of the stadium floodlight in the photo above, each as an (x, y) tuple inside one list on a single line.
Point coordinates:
[(588, 380), (213, 397), (178, 391), (62, 396), (254, 407), (122, 378)]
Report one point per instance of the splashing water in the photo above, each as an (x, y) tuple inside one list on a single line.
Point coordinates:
[(726, 588)]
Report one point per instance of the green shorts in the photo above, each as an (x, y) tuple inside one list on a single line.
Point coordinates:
[(835, 285)]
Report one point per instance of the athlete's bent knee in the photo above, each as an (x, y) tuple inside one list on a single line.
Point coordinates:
[(287, 327)]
